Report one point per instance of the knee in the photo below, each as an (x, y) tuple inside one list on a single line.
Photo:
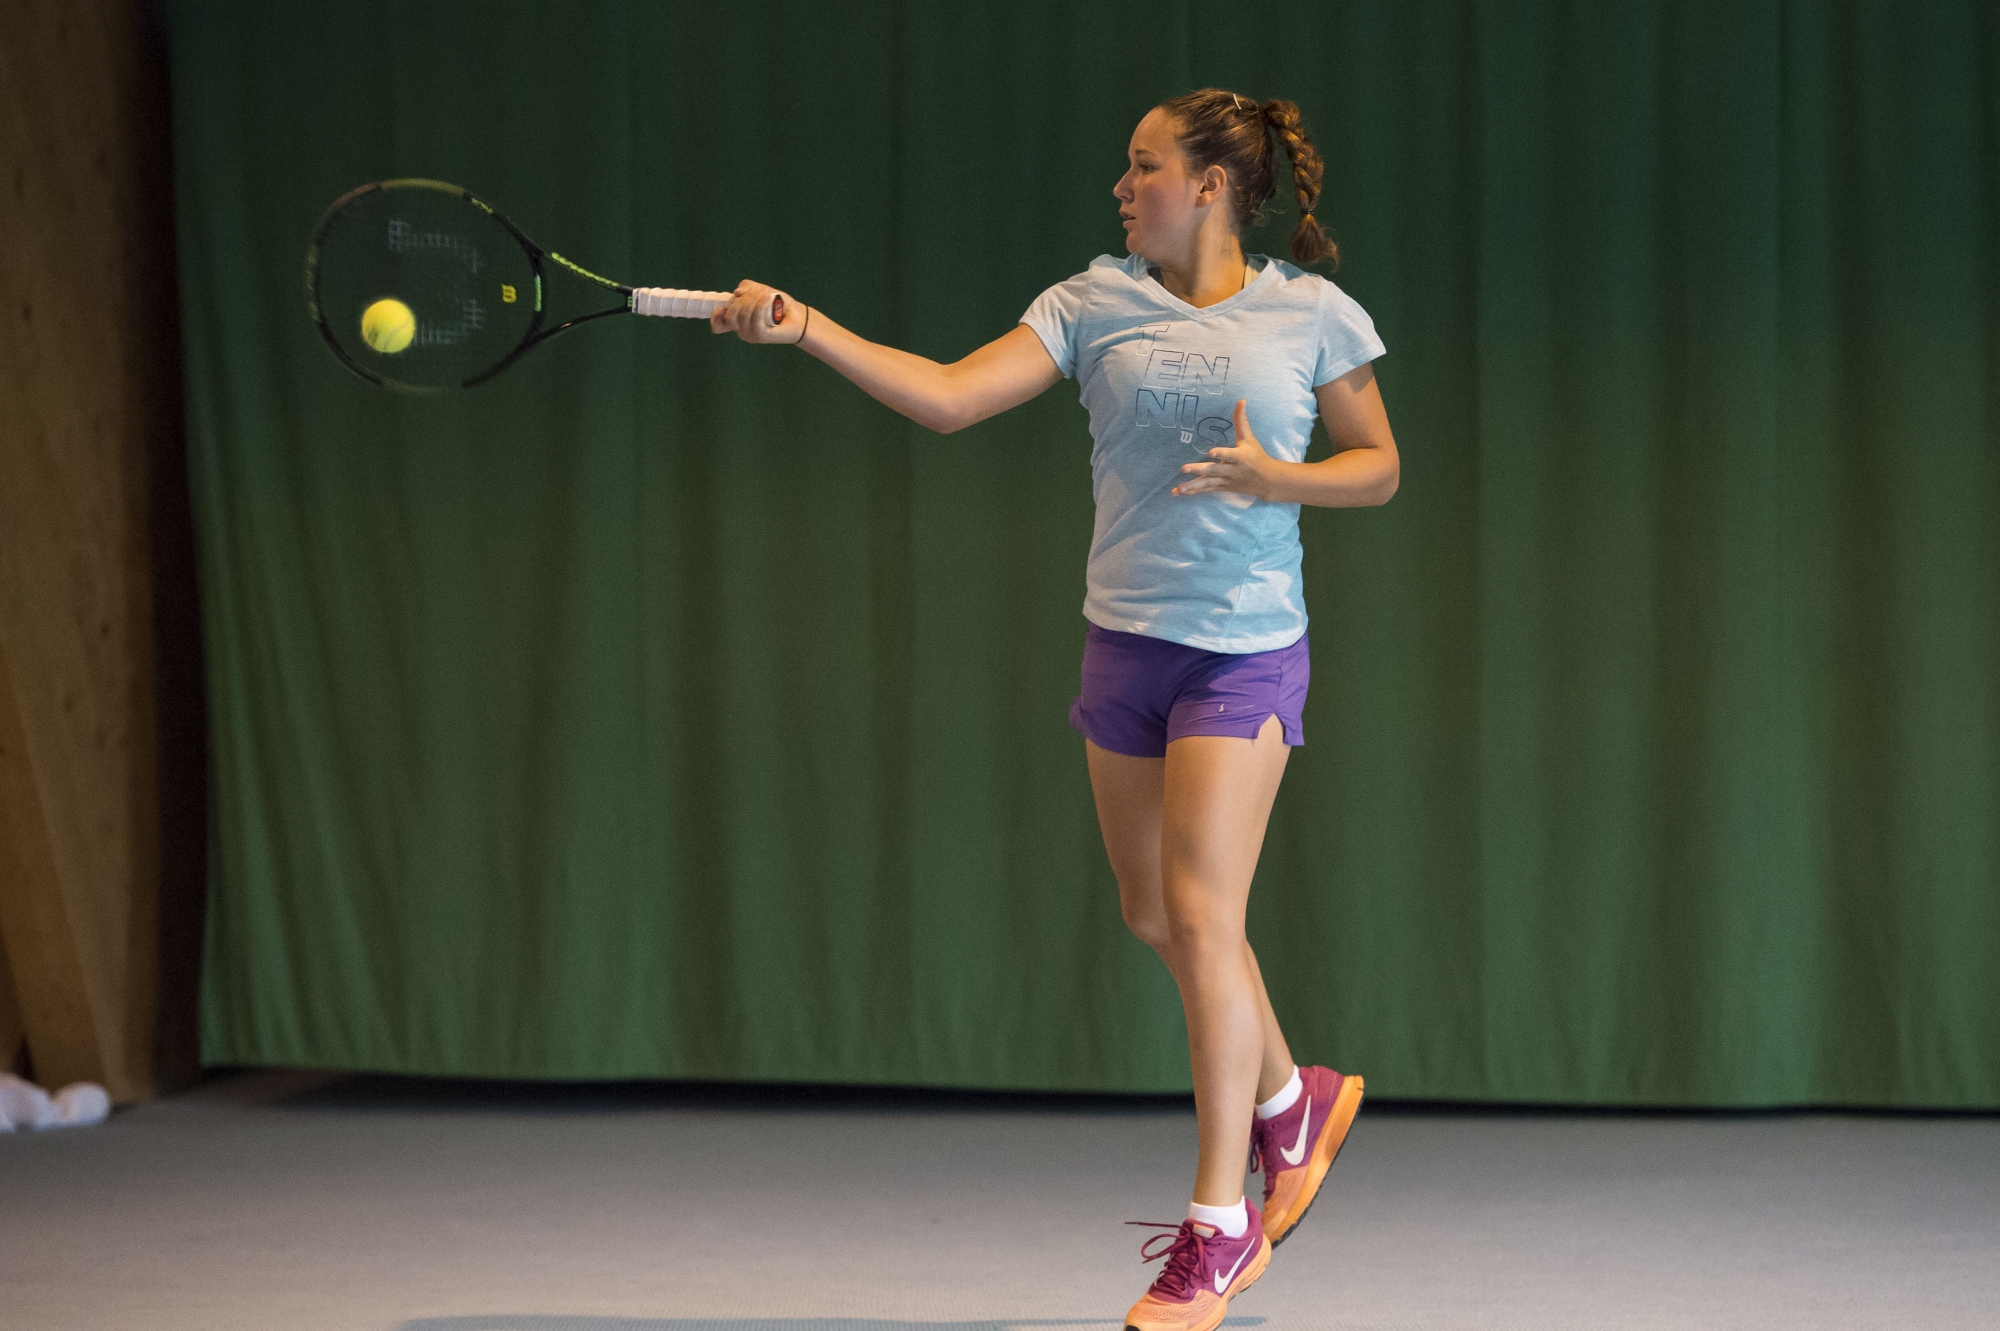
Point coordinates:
[(1149, 926), (1197, 931)]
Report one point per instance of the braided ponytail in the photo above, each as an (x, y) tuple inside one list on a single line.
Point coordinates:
[(1310, 243), (1221, 128)]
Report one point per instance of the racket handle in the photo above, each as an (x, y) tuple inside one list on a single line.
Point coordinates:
[(674, 303)]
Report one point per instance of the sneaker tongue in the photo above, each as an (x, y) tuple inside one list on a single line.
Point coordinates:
[(1207, 1231)]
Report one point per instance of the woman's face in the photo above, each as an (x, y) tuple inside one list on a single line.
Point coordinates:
[(1161, 204)]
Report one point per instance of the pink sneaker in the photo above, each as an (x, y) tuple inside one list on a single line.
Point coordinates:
[(1295, 1149), (1205, 1270)]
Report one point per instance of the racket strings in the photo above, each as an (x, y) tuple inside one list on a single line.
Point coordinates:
[(471, 286)]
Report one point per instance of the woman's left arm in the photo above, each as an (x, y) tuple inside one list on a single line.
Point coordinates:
[(1363, 470)]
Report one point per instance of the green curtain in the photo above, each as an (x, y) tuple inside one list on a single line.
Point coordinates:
[(666, 708)]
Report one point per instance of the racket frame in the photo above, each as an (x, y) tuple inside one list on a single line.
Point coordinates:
[(536, 334)]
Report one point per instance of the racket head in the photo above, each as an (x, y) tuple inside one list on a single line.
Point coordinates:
[(471, 279)]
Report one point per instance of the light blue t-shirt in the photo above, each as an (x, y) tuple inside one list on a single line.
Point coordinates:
[(1160, 379)]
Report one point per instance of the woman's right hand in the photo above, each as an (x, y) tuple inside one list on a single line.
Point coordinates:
[(749, 315)]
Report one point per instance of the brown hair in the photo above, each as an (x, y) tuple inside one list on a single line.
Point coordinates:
[(1219, 128)]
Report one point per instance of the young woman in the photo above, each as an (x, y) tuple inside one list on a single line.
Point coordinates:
[(1202, 372)]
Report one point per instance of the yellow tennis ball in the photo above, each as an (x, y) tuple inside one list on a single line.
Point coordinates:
[(388, 325)]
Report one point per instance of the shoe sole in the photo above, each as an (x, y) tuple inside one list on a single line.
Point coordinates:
[(1245, 1278), (1325, 1151)]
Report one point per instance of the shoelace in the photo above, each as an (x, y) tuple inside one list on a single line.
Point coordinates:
[(1184, 1253), (1256, 1165)]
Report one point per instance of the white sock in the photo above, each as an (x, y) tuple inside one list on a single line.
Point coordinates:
[(1284, 1099), (1231, 1220)]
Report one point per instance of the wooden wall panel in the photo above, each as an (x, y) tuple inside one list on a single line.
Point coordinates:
[(89, 405), (64, 1006), (13, 1034)]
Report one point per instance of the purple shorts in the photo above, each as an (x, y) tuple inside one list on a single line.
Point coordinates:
[(1139, 693)]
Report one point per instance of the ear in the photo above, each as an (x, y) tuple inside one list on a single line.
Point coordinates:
[(1213, 187)]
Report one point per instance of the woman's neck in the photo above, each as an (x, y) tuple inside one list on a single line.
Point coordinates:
[(1212, 274)]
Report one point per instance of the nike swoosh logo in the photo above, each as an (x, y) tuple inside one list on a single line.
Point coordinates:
[(1297, 1151), (1222, 1281)]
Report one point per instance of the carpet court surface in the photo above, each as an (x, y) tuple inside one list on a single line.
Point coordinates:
[(268, 1200)]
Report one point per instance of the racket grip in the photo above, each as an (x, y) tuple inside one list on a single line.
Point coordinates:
[(674, 303)]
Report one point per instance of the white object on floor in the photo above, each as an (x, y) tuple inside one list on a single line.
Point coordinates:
[(26, 1105)]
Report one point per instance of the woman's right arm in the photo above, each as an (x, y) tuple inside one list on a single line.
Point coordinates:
[(1004, 373)]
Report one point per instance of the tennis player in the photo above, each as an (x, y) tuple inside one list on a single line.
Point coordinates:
[(1202, 371)]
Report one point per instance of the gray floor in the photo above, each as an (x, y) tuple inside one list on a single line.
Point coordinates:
[(285, 1200)]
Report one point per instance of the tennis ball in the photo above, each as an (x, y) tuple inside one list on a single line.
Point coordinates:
[(388, 325)]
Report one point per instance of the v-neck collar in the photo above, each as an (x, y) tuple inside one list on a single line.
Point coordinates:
[(1159, 290)]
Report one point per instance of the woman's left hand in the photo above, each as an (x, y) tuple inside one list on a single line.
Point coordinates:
[(1246, 468)]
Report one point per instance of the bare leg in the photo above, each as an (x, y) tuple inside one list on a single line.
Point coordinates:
[(1129, 792), (1278, 1065), (1218, 800), (1183, 833), (1129, 795)]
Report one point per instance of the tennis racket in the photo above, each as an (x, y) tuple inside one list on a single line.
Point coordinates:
[(419, 286)]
